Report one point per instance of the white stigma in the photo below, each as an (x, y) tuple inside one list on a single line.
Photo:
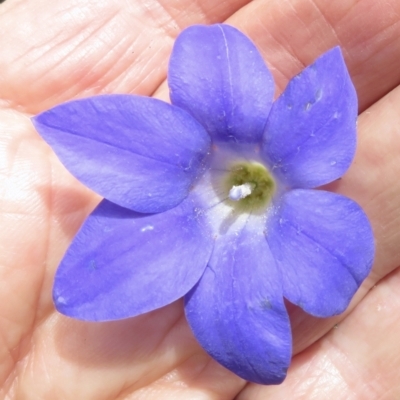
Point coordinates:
[(240, 192)]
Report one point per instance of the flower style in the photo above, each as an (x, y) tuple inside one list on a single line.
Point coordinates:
[(213, 198)]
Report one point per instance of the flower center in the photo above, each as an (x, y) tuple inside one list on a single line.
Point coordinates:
[(249, 187)]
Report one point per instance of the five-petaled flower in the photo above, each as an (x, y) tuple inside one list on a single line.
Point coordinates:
[(213, 198)]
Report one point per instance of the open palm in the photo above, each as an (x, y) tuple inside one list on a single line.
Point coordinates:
[(53, 51)]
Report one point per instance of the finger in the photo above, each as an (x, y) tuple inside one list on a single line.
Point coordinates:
[(197, 378), (112, 360), (359, 359), (33, 213), (85, 48), (292, 34)]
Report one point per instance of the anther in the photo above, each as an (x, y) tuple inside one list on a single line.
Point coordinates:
[(240, 192)]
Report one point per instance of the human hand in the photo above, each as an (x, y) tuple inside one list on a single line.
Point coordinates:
[(53, 52)]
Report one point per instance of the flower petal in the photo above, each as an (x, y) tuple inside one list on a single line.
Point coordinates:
[(236, 310), (217, 75), (310, 137), (324, 247), (138, 152), (122, 263)]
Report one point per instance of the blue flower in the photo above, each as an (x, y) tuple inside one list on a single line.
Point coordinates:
[(213, 198)]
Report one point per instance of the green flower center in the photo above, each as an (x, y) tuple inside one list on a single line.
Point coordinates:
[(249, 187)]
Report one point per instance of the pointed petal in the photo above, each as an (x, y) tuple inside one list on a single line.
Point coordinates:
[(122, 264), (138, 152), (218, 76), (310, 137), (324, 247), (236, 310)]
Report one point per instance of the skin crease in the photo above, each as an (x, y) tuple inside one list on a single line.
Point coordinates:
[(53, 51)]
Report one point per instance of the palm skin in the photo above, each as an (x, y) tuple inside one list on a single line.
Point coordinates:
[(53, 51)]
